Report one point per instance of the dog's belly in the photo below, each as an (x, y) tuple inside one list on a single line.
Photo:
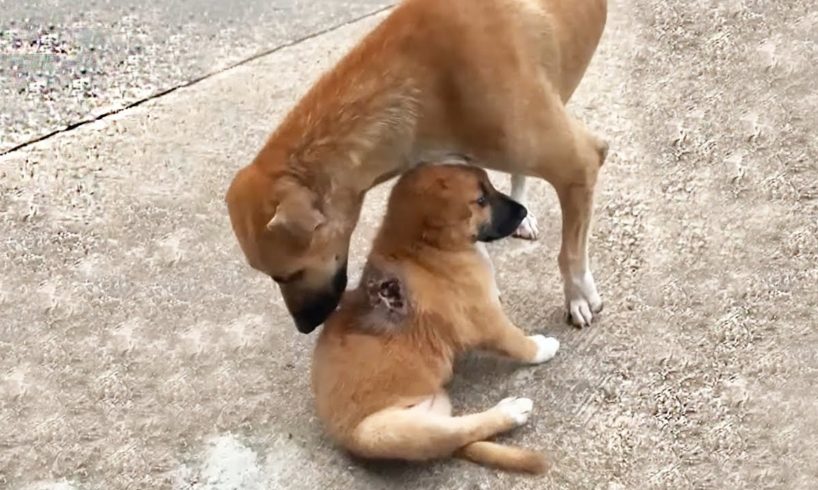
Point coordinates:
[(457, 153), (438, 154)]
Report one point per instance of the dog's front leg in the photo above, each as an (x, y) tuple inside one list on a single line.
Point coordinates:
[(481, 249), (505, 338)]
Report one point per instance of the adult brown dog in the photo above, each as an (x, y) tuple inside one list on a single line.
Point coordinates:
[(426, 295), (487, 79)]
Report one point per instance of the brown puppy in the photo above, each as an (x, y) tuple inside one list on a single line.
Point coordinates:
[(426, 295), (485, 79)]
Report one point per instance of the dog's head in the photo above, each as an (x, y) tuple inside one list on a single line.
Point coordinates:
[(284, 231), (450, 207)]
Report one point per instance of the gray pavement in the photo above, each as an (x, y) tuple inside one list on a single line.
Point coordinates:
[(138, 350), (62, 62)]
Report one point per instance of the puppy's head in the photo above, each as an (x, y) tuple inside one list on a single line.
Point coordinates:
[(283, 231), (450, 207)]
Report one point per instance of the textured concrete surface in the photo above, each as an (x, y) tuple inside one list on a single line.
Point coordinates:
[(63, 62), (137, 350)]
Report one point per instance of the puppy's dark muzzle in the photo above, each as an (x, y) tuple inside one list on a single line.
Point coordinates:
[(317, 306), (506, 216)]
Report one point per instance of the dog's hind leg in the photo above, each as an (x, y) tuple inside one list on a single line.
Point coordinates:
[(424, 431), (528, 228), (562, 151), (582, 299), (576, 197)]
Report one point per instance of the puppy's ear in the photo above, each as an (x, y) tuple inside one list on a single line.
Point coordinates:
[(297, 216)]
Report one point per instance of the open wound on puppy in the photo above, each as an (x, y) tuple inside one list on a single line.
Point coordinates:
[(390, 294), (387, 295)]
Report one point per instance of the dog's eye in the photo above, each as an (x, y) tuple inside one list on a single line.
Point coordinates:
[(482, 201)]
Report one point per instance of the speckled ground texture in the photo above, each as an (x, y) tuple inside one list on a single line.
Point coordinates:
[(68, 61), (137, 350)]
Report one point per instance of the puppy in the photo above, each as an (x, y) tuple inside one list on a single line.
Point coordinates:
[(487, 79), (426, 295)]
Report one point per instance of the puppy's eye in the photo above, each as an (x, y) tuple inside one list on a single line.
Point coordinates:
[(482, 201)]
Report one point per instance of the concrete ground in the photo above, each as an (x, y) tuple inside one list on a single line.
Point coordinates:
[(137, 350), (66, 62)]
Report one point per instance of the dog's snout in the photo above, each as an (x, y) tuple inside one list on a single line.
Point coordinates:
[(314, 313), (311, 308)]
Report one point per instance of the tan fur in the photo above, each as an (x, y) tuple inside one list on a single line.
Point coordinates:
[(379, 384), (487, 79)]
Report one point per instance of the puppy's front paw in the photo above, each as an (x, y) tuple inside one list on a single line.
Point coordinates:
[(517, 409), (547, 348)]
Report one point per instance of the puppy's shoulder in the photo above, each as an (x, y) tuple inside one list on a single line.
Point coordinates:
[(384, 300)]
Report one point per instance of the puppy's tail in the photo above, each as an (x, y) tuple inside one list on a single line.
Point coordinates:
[(507, 458)]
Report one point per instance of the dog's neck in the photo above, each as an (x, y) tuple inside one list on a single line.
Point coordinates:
[(358, 137)]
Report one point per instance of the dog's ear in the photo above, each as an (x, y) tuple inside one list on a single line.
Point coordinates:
[(388, 295), (297, 216)]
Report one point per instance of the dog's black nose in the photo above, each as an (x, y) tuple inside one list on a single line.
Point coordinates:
[(310, 317), (318, 307)]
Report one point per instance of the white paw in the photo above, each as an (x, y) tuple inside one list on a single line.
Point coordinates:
[(582, 299), (580, 313), (517, 409), (547, 348), (528, 228)]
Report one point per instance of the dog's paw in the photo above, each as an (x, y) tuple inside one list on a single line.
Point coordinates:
[(528, 229), (517, 409), (547, 348), (582, 300), (581, 311)]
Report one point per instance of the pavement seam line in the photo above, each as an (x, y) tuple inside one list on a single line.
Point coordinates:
[(72, 126)]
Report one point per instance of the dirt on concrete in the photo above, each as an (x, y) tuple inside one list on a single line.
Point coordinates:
[(137, 350)]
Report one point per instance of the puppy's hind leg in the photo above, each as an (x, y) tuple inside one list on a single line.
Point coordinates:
[(424, 432), (528, 229)]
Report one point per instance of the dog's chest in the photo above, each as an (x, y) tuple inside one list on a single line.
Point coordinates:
[(484, 254)]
